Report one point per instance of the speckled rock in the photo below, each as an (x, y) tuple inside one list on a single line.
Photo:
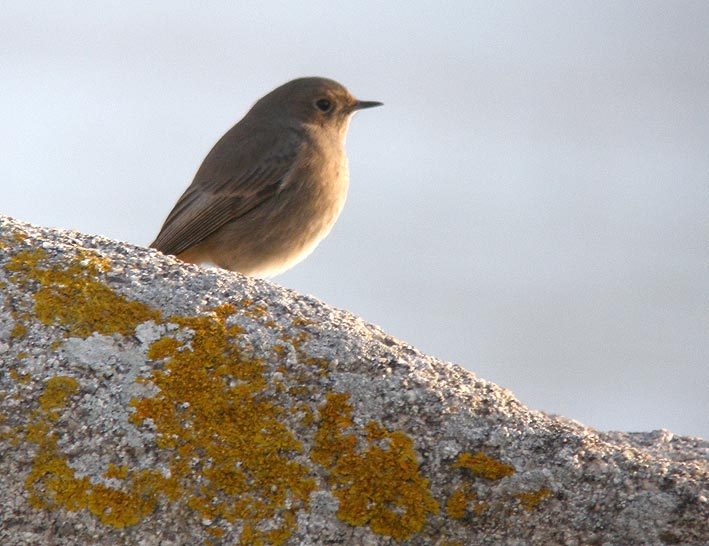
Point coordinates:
[(144, 401)]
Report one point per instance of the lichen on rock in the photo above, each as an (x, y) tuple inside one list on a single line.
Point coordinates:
[(146, 400)]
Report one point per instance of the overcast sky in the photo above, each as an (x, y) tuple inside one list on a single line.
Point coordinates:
[(532, 202)]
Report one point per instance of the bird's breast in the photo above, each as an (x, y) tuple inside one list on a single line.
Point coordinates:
[(320, 181)]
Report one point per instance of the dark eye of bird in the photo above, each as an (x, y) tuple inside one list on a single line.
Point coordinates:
[(323, 105)]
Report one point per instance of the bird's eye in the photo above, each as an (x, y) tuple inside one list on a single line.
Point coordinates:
[(323, 105)]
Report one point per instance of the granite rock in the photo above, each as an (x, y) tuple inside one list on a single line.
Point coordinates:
[(145, 401)]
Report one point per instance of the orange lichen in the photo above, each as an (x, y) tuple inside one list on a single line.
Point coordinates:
[(457, 502), (215, 531), (253, 310), (18, 236), (483, 466), (19, 330), (117, 472), (530, 499), (73, 295), (211, 409), (211, 406), (162, 348), (118, 508), (56, 392), (478, 465), (52, 483), (300, 321), (378, 485), (335, 416), (231, 457), (462, 499), (20, 378)]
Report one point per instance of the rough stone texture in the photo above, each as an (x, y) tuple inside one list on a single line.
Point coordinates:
[(144, 401)]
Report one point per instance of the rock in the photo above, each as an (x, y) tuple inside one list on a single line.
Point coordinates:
[(146, 401)]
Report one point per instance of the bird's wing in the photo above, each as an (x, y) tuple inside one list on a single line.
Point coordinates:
[(235, 178)]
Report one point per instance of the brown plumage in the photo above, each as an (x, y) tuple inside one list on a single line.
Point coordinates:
[(272, 187)]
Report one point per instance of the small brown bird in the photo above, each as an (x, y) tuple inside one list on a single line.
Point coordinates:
[(272, 187)]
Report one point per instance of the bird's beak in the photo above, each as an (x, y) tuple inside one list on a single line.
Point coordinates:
[(361, 104)]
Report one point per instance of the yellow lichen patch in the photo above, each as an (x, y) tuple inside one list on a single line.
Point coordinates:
[(458, 501), (483, 466), (118, 472), (212, 412), (163, 348), (18, 236), (299, 390), (224, 311), (530, 499), (52, 483), (8, 434), (462, 499), (299, 321), (253, 310), (215, 531), (19, 330), (322, 365), (119, 508), (74, 296), (20, 378), (56, 392), (335, 416), (378, 485)]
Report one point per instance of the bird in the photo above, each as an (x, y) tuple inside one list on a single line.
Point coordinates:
[(272, 187)]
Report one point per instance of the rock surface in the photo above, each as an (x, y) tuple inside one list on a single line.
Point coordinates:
[(144, 401)]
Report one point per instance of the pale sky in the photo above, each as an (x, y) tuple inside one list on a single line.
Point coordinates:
[(532, 202)]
